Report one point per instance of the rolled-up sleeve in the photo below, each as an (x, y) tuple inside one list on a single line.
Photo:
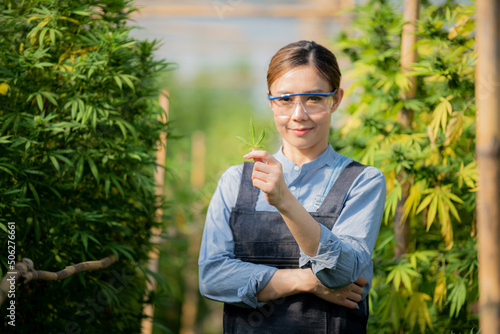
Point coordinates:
[(345, 251), (221, 276)]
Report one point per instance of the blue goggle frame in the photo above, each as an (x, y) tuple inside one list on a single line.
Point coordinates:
[(271, 98)]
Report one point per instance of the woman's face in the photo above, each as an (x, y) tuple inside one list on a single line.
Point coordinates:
[(303, 133)]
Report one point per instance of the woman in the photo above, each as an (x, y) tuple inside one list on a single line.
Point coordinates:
[(288, 240)]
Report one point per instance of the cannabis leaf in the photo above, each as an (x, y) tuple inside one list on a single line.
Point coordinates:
[(252, 142)]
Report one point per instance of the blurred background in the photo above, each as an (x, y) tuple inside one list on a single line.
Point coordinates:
[(221, 49)]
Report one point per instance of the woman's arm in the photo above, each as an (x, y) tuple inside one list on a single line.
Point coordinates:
[(268, 177), (337, 257), (287, 282), (222, 277), (345, 252)]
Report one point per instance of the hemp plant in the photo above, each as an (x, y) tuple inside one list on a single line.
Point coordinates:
[(78, 132), (253, 143)]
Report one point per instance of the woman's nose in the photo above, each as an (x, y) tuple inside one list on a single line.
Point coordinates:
[(299, 112)]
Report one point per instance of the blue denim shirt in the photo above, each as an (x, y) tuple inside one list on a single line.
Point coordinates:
[(344, 253)]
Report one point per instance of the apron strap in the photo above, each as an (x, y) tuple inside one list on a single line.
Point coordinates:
[(334, 201), (247, 195)]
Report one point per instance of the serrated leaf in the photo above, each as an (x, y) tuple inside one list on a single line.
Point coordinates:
[(55, 163), (431, 214), (117, 185), (3, 227), (63, 158), (457, 297), (401, 272), (130, 128), (50, 97), (75, 235), (93, 168), (440, 291), (244, 140), (35, 193), (52, 35), (126, 79), (39, 101), (261, 137), (5, 140), (392, 201), (417, 311), (94, 239), (85, 242), (252, 133), (118, 81), (122, 128), (41, 37), (79, 171), (82, 13)]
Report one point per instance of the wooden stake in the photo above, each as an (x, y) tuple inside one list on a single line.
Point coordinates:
[(408, 57), (198, 151), (488, 157), (159, 176)]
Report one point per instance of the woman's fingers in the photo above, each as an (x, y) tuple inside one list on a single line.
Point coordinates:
[(356, 289), (268, 177), (264, 155), (267, 169), (266, 182), (263, 175), (262, 185), (349, 304), (354, 297), (361, 281), (256, 159)]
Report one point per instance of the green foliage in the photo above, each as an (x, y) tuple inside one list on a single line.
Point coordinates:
[(433, 288), (254, 142), (78, 132)]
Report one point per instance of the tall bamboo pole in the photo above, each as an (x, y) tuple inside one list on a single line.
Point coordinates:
[(194, 231), (408, 57), (488, 157), (159, 176)]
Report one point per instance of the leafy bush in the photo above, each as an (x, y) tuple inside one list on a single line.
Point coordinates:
[(78, 132), (434, 287)]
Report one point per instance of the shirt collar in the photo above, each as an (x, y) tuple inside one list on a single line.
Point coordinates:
[(326, 158)]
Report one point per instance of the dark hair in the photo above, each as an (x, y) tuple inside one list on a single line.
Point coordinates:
[(304, 53)]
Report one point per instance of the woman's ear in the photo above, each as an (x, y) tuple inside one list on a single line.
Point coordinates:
[(339, 94)]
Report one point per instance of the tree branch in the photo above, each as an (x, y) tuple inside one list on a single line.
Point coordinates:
[(25, 272)]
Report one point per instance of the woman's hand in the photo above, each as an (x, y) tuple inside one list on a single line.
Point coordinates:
[(348, 296), (287, 282), (268, 176)]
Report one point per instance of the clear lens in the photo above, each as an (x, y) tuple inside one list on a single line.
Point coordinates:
[(285, 106)]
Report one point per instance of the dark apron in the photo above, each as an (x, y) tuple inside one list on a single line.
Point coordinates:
[(262, 237)]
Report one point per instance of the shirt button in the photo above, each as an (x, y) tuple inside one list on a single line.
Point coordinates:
[(292, 188), (296, 167)]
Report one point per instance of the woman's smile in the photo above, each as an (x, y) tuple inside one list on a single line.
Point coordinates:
[(301, 131)]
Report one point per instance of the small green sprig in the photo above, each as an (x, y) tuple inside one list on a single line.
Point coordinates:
[(252, 142)]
